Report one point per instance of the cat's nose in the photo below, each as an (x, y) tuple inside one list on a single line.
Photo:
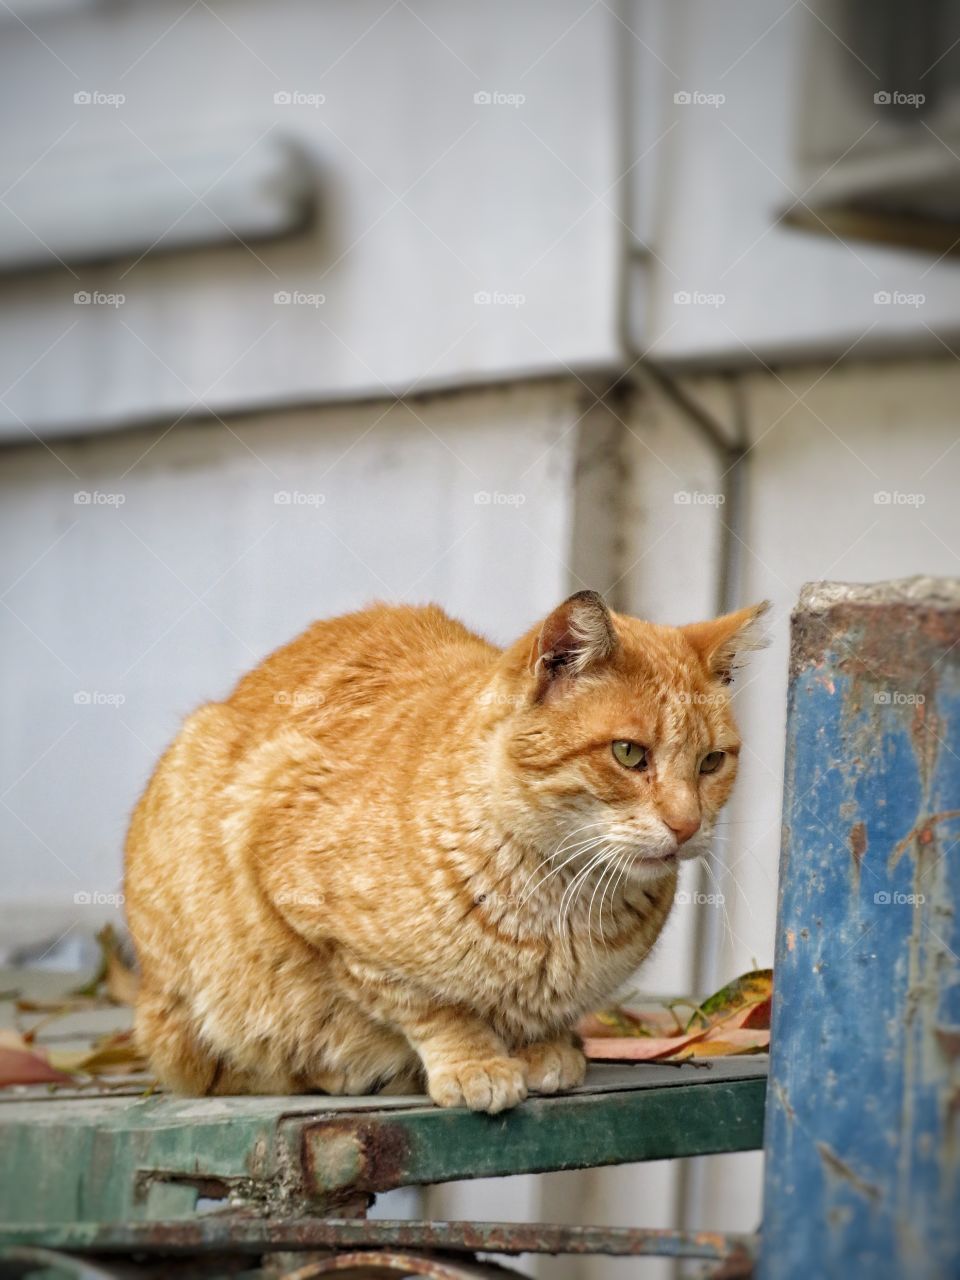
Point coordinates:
[(683, 828)]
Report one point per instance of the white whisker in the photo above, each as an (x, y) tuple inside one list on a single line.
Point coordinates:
[(721, 901), (582, 847), (614, 883), (559, 849), (705, 858), (572, 891), (613, 861)]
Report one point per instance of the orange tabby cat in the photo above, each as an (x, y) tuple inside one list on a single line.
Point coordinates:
[(397, 855)]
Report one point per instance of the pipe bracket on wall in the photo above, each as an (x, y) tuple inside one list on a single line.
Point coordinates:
[(154, 196)]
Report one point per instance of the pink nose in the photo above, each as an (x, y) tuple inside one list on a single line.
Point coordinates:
[(683, 828)]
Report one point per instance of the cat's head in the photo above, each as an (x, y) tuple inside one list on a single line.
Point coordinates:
[(620, 737)]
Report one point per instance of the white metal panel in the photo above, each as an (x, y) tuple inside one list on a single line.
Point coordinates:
[(190, 555), (459, 150), (727, 283)]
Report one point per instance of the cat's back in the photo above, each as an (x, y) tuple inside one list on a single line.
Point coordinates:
[(353, 678), (359, 658)]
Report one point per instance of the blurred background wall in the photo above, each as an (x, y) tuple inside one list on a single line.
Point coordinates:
[(303, 305)]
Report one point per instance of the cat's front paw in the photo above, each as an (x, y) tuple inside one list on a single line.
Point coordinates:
[(484, 1084), (553, 1066)]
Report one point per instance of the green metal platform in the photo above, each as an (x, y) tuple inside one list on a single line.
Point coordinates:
[(95, 1177), (100, 1159)]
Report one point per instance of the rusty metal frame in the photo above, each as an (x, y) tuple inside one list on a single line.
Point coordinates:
[(235, 1233)]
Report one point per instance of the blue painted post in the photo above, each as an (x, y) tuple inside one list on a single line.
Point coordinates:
[(862, 1133)]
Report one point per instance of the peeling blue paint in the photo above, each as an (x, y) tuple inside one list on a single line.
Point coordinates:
[(864, 1106)]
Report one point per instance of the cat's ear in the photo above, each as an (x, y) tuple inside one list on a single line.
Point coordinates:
[(724, 643), (576, 637)]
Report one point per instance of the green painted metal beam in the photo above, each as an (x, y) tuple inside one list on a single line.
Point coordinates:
[(135, 1159), (376, 1153)]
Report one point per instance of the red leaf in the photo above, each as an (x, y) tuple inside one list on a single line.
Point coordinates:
[(636, 1048), (21, 1066)]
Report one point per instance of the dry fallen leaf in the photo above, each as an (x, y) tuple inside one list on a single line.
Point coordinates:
[(728, 1044), (621, 1021), (57, 1006), (114, 977), (121, 981), (758, 1015), (21, 1063), (753, 989), (734, 1020), (636, 1048), (110, 1055)]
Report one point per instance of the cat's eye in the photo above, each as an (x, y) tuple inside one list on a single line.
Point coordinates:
[(712, 761), (630, 754)]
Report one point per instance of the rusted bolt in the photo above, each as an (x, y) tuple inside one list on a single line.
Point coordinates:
[(355, 1155), (336, 1160)]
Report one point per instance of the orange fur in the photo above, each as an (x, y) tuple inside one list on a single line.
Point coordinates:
[(396, 854)]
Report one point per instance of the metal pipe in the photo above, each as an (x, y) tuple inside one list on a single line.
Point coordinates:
[(240, 1233)]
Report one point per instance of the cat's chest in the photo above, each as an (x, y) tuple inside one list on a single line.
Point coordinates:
[(538, 979), (539, 947)]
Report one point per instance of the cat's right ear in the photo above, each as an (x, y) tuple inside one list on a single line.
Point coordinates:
[(576, 637)]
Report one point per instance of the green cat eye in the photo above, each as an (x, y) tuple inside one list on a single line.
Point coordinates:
[(630, 754), (712, 761)]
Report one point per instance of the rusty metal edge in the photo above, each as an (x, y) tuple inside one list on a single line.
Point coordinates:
[(364, 1263), (825, 610), (236, 1233)]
